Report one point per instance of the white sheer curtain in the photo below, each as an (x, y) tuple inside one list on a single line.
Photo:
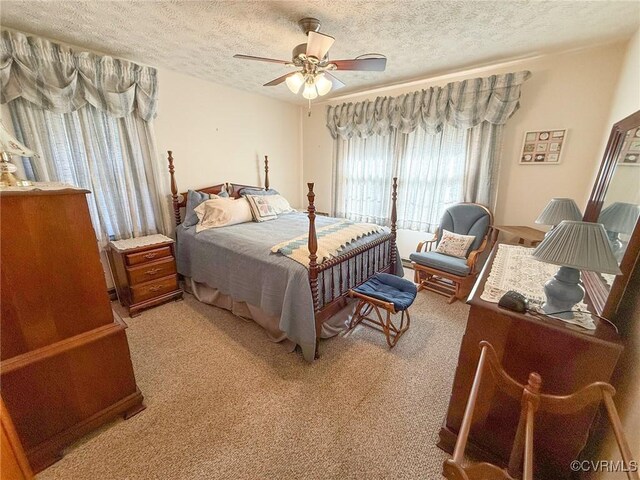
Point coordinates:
[(431, 172), (112, 157), (430, 169), (363, 172)]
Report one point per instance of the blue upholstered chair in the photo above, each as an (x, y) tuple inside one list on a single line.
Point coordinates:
[(445, 274), (389, 293)]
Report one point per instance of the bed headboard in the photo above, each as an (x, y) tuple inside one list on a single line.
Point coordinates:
[(179, 200)]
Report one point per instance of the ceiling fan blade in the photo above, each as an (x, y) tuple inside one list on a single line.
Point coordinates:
[(279, 80), (260, 59), (318, 44), (334, 81), (364, 64)]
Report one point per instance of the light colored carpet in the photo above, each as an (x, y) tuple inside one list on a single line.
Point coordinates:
[(224, 402)]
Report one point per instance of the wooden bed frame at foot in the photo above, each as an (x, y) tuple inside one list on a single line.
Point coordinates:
[(331, 280)]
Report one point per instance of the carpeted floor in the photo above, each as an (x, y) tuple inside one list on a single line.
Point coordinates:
[(224, 402)]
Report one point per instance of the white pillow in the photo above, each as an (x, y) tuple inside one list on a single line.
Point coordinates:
[(454, 245), (279, 204), (222, 212)]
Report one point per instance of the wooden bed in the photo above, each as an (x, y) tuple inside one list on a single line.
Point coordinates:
[(329, 286)]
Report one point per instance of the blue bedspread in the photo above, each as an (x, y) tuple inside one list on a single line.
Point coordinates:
[(237, 261)]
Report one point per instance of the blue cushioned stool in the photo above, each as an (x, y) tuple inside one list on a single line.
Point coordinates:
[(390, 293)]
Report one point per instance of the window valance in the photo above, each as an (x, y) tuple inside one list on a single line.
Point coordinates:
[(460, 104), (61, 80)]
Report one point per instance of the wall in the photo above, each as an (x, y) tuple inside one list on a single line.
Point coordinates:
[(570, 90), (220, 134), (626, 99), (625, 184)]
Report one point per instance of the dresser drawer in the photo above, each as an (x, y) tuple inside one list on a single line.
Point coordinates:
[(151, 271), (148, 255), (155, 288)]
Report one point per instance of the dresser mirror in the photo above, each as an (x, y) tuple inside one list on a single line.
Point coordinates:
[(615, 202)]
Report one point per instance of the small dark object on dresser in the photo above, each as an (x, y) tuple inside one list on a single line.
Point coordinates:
[(513, 301)]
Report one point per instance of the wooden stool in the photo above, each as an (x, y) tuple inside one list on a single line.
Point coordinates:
[(390, 293)]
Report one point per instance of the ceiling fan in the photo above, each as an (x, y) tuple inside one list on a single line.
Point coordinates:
[(313, 62)]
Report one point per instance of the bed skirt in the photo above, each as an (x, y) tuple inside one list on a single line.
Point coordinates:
[(335, 325)]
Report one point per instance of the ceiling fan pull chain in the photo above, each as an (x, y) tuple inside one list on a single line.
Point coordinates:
[(309, 114)]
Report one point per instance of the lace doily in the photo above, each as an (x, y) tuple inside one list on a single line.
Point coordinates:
[(129, 243), (515, 269)]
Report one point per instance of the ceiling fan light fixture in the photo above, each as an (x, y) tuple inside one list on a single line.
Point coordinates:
[(313, 74), (310, 91), (295, 82), (323, 84)]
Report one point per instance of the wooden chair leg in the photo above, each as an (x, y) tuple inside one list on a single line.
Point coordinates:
[(384, 324)]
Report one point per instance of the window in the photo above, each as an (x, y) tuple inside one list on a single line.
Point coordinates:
[(90, 149), (430, 170)]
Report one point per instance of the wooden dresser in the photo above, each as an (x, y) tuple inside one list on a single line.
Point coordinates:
[(65, 365), (144, 271), (567, 357)]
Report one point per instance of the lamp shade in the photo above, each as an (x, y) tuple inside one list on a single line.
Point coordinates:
[(8, 144), (579, 245), (323, 84), (620, 217), (559, 209), (294, 82), (309, 91)]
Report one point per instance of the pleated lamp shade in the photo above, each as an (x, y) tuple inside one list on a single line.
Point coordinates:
[(620, 217), (559, 209), (579, 245)]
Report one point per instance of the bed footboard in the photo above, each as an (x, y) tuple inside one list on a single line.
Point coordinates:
[(331, 280)]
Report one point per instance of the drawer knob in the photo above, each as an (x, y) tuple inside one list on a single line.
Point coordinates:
[(150, 255), (155, 288), (152, 271)]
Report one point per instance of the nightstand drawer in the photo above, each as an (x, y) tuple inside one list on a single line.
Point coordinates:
[(145, 291), (148, 255), (151, 271)]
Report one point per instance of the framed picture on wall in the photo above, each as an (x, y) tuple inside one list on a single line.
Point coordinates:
[(543, 147), (630, 152)]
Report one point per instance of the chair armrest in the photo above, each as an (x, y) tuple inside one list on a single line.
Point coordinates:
[(427, 243), (472, 259)]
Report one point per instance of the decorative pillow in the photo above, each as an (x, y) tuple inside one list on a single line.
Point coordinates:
[(454, 245), (255, 191), (222, 212), (278, 203), (195, 198), (260, 207)]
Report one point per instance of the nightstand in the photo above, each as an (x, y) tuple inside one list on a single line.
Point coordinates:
[(144, 272)]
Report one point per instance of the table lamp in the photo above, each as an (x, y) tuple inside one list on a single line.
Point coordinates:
[(574, 246), (557, 210), (617, 218), (10, 146)]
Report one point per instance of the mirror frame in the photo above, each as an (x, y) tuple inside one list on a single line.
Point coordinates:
[(606, 301)]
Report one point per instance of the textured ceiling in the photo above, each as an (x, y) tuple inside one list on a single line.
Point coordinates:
[(419, 38)]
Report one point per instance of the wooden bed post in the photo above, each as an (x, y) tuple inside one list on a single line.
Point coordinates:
[(174, 190), (394, 220), (313, 248), (266, 172)]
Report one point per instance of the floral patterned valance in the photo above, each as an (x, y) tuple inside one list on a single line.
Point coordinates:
[(461, 104), (59, 79)]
